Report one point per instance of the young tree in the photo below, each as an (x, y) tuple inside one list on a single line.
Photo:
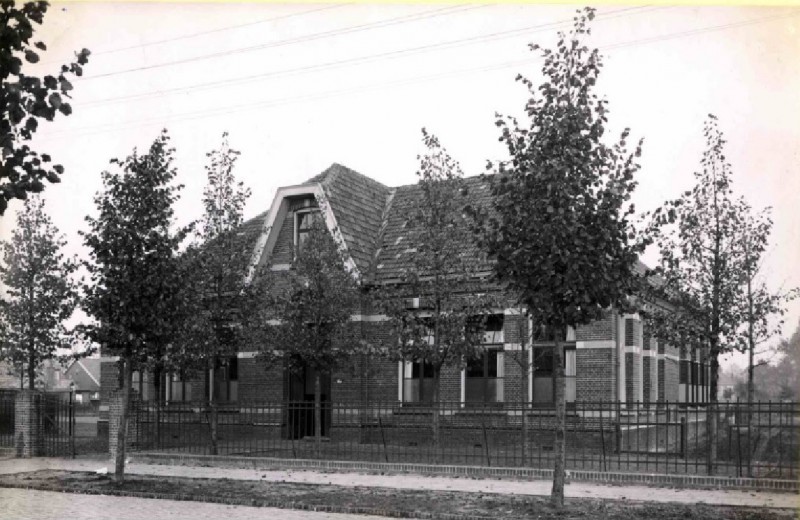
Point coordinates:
[(702, 264), (40, 291), (216, 268), (135, 292), (26, 100), (562, 235), (759, 306), (447, 327), (307, 313)]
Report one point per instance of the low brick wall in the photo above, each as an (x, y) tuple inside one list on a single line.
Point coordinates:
[(694, 481)]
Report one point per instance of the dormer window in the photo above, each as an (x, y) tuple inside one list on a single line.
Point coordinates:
[(303, 219)]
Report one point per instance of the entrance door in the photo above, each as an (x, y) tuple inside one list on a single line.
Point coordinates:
[(299, 393)]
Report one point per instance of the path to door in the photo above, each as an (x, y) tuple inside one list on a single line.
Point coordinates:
[(509, 487)]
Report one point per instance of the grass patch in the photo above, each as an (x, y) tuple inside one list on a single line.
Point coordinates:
[(368, 500)]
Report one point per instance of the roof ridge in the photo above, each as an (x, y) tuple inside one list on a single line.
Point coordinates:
[(378, 246)]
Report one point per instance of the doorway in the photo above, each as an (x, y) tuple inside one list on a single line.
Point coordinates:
[(299, 397)]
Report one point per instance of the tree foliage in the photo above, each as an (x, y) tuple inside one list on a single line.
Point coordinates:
[(700, 238), (27, 100), (41, 293), (135, 292), (304, 323), (562, 233), (215, 266), (446, 326), (309, 307), (761, 309), (444, 329)]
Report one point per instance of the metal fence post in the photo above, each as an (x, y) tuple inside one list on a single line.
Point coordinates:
[(683, 434)]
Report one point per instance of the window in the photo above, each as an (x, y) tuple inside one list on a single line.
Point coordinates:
[(179, 389), (142, 385), (226, 379), (546, 334), (417, 382), (630, 336), (484, 378), (543, 376), (303, 220)]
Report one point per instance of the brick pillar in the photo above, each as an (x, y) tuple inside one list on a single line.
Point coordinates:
[(114, 415), (28, 439)]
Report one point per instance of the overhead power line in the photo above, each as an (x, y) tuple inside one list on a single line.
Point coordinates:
[(291, 41), (379, 86), (701, 30), (104, 52), (400, 53)]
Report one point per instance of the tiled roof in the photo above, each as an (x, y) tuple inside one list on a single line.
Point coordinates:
[(372, 220), (245, 241), (358, 204), (398, 240), (249, 230)]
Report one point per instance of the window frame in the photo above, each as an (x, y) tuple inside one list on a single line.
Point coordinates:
[(298, 214), (499, 376)]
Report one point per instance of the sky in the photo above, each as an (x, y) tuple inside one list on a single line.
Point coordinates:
[(300, 86)]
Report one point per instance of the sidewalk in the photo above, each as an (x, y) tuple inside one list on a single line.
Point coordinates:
[(503, 487)]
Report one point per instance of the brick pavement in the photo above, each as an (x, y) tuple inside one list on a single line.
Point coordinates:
[(513, 487), (48, 505)]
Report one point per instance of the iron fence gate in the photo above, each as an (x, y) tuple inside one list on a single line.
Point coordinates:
[(7, 399), (57, 416)]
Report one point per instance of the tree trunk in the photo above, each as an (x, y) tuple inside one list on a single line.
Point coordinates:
[(122, 432), (711, 419), (157, 372), (317, 413), (559, 447), (751, 350), (31, 369), (527, 359), (212, 407), (435, 409)]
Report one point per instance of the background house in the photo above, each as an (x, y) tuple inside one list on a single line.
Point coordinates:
[(85, 375)]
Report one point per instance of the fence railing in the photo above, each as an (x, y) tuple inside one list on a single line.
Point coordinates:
[(7, 400), (759, 440)]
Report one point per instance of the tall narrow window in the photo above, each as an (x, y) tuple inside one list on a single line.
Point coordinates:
[(630, 336), (303, 221), (570, 374), (226, 379), (417, 382)]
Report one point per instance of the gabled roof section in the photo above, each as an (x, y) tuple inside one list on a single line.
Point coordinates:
[(358, 204), (85, 373)]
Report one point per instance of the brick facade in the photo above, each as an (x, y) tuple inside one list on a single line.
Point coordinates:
[(596, 379)]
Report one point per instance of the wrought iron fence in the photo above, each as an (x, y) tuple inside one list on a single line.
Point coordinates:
[(7, 399), (57, 416), (756, 439)]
